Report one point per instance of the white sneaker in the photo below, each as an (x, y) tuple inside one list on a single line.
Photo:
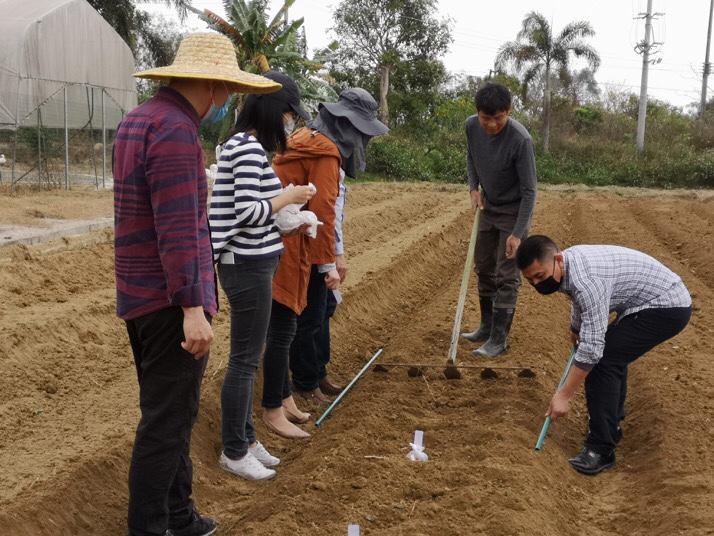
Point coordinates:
[(263, 456), (247, 467)]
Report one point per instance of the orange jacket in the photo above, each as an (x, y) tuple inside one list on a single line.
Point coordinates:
[(311, 158)]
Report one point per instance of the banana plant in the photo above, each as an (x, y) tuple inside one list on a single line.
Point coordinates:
[(263, 43)]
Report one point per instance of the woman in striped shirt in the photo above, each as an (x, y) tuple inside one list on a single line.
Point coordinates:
[(247, 246)]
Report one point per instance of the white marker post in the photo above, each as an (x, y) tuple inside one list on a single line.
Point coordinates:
[(353, 530), (417, 453)]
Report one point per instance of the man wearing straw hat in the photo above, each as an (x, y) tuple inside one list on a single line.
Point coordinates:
[(166, 291)]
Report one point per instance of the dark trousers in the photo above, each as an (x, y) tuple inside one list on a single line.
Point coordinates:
[(248, 286), (323, 338), (276, 376), (498, 277), (305, 352), (169, 391), (606, 385)]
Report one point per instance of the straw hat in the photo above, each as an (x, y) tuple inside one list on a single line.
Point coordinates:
[(211, 56)]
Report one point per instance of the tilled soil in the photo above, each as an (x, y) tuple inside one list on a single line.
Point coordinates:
[(68, 395)]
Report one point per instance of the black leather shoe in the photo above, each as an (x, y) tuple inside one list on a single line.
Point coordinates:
[(589, 462), (199, 526)]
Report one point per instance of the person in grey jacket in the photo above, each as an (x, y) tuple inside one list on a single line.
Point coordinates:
[(502, 180)]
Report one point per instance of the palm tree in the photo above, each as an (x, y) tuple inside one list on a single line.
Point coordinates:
[(263, 43), (536, 52)]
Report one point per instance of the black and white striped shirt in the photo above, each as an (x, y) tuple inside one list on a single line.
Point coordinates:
[(240, 214), (605, 279)]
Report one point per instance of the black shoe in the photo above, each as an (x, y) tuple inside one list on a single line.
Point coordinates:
[(198, 526), (589, 462), (498, 341), (484, 330)]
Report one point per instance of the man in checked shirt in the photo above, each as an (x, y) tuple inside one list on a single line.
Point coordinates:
[(651, 304)]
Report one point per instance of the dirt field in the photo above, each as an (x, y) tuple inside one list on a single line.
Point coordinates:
[(28, 208), (68, 396)]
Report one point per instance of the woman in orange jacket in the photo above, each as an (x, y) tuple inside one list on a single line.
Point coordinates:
[(336, 140)]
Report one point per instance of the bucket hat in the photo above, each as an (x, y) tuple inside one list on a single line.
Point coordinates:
[(360, 108), (211, 56)]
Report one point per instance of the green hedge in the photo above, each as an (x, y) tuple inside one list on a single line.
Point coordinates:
[(589, 161)]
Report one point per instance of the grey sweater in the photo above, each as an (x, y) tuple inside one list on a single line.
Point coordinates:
[(504, 167)]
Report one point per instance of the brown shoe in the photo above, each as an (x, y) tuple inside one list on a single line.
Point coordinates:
[(330, 388), (316, 396), (293, 414), (276, 422)]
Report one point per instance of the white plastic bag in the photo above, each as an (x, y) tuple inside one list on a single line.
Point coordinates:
[(417, 453), (291, 217), (212, 173)]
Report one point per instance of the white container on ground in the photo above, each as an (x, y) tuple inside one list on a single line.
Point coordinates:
[(417, 453)]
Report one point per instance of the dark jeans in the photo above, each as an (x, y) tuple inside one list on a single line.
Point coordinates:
[(606, 385), (323, 339), (248, 286), (305, 352), (169, 391), (498, 277), (276, 377)]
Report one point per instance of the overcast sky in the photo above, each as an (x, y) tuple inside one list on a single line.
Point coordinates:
[(479, 28)]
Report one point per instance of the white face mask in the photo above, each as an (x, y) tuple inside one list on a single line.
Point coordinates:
[(289, 127)]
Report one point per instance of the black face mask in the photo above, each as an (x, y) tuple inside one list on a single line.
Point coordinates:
[(549, 285)]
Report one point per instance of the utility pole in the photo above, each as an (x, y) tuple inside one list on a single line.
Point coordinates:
[(707, 65), (645, 47)]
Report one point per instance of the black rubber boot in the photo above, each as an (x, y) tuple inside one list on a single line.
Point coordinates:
[(484, 330), (498, 341)]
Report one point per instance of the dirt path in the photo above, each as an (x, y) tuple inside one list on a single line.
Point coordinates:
[(68, 402)]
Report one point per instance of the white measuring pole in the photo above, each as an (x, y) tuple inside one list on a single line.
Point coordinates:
[(353, 530)]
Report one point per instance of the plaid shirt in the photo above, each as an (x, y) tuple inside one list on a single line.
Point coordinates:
[(163, 254), (605, 279)]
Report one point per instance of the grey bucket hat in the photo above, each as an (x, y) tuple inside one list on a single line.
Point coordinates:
[(360, 108)]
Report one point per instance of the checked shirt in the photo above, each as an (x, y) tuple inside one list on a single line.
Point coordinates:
[(605, 279)]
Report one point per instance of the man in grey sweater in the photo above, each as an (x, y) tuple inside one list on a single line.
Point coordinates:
[(502, 179)]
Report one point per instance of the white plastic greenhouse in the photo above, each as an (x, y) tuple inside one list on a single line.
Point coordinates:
[(65, 80)]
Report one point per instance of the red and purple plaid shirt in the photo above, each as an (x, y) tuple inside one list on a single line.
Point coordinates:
[(162, 240)]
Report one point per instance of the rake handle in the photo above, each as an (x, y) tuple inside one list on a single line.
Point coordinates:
[(468, 267)]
